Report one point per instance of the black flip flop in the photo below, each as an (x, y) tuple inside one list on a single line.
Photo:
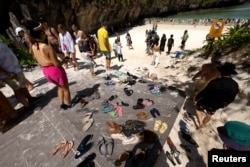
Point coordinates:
[(113, 97), (128, 92), (83, 146)]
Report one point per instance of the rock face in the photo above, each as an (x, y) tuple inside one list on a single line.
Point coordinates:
[(88, 14)]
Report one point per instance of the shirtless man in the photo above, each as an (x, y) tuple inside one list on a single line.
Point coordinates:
[(76, 32), (207, 73), (53, 38)]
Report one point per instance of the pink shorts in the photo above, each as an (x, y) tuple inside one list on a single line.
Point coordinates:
[(56, 75)]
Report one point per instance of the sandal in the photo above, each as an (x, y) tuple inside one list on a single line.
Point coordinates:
[(148, 102), (69, 145), (157, 125), (163, 128), (107, 109), (58, 147), (123, 158), (113, 97), (138, 106), (113, 114), (128, 92)]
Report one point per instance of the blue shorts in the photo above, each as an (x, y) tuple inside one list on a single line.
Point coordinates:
[(89, 64), (106, 54)]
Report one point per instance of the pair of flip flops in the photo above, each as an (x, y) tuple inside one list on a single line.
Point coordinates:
[(142, 115), (109, 83), (160, 126), (154, 112), (84, 146), (139, 104), (106, 146), (148, 102), (107, 107), (87, 121), (113, 97), (128, 92), (65, 145)]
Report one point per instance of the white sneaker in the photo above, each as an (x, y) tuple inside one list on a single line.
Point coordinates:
[(118, 136), (131, 140)]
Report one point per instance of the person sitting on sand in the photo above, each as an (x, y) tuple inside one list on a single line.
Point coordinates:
[(217, 94), (51, 66)]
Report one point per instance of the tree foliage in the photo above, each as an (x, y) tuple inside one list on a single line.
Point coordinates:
[(233, 38)]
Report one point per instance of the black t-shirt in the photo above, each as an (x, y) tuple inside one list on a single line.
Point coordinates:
[(218, 93)]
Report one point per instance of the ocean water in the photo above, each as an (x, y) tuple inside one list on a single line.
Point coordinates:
[(233, 12)]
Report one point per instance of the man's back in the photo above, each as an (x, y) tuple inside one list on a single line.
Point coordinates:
[(219, 92), (209, 71), (102, 34)]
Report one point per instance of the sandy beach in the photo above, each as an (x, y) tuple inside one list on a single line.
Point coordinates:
[(172, 72)]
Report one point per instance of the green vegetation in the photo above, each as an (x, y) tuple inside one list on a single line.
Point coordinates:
[(234, 38), (23, 55)]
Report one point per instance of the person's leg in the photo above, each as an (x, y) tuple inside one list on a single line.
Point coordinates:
[(156, 60), (121, 57), (109, 62), (7, 110), (74, 61), (199, 115), (60, 95), (107, 67), (66, 94), (206, 119), (21, 97), (29, 85), (91, 69)]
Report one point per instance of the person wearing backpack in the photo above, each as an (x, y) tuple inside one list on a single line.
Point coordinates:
[(170, 43)]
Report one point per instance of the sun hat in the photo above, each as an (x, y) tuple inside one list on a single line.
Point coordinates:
[(17, 30), (227, 68), (235, 135)]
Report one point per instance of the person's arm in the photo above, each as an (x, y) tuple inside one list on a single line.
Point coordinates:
[(55, 33)]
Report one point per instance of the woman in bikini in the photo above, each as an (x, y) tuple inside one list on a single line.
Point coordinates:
[(51, 66)]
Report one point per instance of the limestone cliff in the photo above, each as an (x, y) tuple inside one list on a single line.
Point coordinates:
[(89, 13)]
